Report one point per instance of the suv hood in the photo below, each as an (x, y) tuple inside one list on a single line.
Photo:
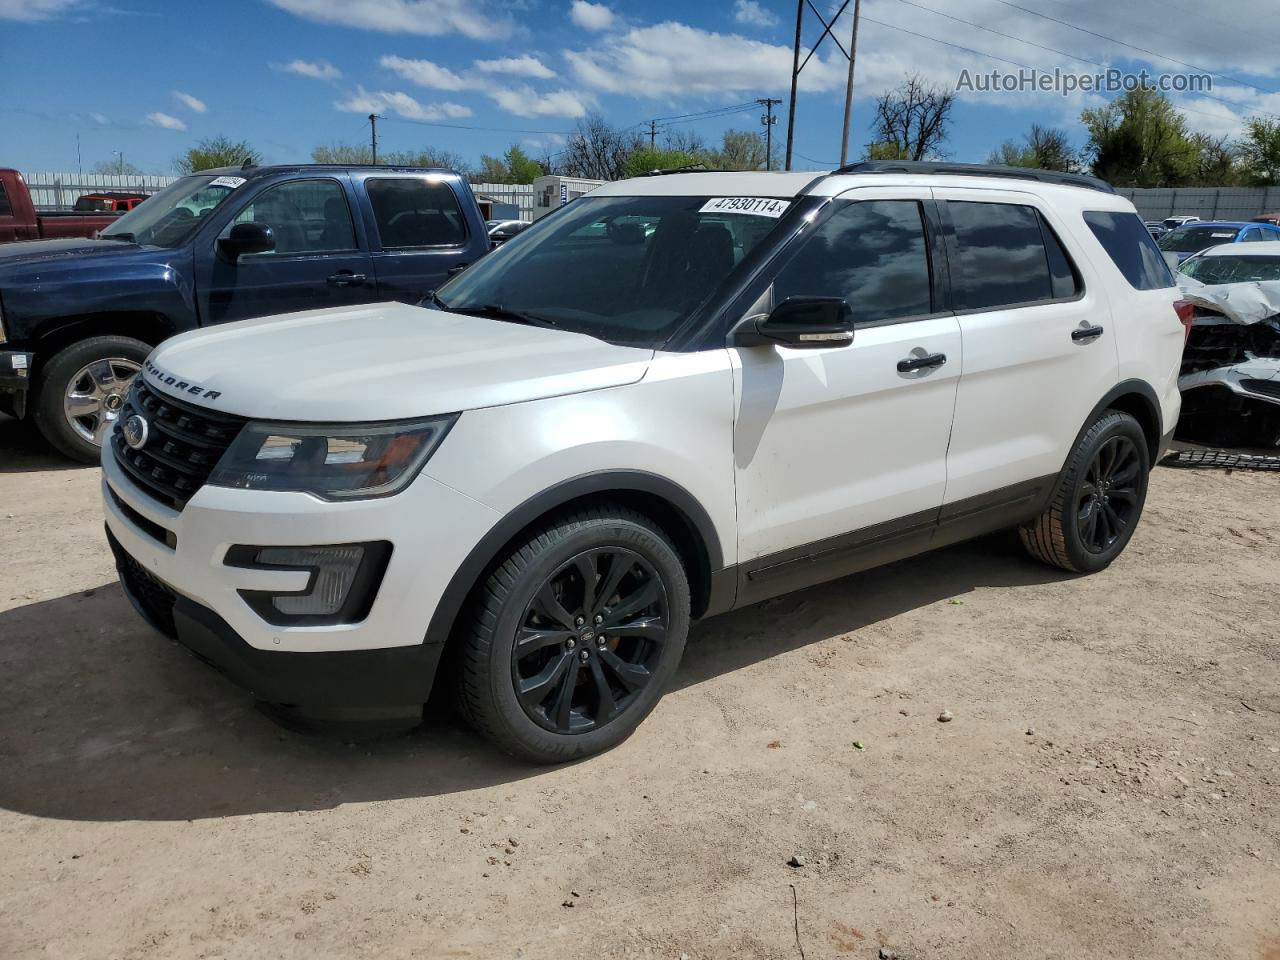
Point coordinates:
[(386, 361), (28, 253)]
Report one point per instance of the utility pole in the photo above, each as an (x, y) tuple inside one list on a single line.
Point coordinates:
[(795, 76), (848, 90), (373, 135), (653, 133), (768, 120)]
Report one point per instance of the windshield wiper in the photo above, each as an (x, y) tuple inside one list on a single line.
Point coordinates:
[(495, 311)]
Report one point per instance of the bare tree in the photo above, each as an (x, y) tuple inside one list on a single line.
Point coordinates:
[(1046, 148), (911, 120), (598, 151)]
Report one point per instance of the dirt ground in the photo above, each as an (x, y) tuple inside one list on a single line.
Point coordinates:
[(1108, 786)]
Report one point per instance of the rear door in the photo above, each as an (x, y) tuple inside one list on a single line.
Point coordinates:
[(1039, 348), (319, 259), (419, 233)]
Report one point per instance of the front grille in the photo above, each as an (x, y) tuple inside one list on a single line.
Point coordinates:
[(183, 446), (151, 594), (1268, 388)]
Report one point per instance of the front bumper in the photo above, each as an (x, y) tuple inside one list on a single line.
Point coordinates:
[(180, 557), (390, 677)]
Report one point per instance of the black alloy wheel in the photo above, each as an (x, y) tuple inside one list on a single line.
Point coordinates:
[(1109, 496), (590, 640)]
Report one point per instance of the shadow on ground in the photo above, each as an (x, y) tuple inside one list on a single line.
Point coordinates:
[(23, 450), (101, 719)]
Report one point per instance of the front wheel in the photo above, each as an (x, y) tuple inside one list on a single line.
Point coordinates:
[(82, 391), (1098, 500), (575, 636)]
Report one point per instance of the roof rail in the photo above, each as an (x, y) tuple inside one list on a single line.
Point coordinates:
[(978, 170), (688, 168)]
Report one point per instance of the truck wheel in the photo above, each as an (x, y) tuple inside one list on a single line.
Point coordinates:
[(82, 390), (574, 636), (1098, 500)]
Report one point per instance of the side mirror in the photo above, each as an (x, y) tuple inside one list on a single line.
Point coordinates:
[(246, 238), (800, 322)]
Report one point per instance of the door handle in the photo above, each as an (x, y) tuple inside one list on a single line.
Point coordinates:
[(347, 279), (1086, 334), (921, 363), (457, 269)]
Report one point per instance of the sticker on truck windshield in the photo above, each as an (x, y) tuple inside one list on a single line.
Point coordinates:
[(231, 182), (752, 206)]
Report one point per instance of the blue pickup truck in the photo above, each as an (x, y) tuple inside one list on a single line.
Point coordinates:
[(78, 317)]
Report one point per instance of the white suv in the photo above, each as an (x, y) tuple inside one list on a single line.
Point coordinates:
[(675, 396)]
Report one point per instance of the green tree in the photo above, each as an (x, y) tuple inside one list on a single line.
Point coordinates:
[(362, 153), (520, 166), (1044, 148), (1140, 140), (342, 153), (646, 159), (214, 152), (1216, 162), (1260, 152), (740, 150)]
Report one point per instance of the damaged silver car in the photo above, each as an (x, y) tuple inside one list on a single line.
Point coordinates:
[(1230, 375)]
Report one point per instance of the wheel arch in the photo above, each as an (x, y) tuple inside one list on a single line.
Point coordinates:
[(676, 511), (1138, 399), (55, 335)]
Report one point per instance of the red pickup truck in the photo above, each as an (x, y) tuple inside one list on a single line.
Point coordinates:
[(19, 220)]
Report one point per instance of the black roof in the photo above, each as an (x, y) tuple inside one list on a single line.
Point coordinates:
[(977, 170), (258, 170)]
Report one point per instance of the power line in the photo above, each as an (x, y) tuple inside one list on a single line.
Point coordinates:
[(1151, 53)]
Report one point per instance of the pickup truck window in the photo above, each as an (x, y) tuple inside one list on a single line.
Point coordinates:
[(6, 209), (306, 216), (170, 217), (412, 212)]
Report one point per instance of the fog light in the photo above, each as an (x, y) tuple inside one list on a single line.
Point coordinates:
[(344, 579), (335, 570)]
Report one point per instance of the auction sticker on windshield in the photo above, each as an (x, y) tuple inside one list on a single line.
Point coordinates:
[(752, 206), (231, 182)]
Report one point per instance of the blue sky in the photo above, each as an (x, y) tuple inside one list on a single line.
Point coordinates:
[(149, 79)]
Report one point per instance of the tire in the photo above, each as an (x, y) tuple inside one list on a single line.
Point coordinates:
[(95, 371), (1098, 500), (537, 592)]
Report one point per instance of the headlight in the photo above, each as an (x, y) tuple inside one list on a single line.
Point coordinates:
[(337, 462)]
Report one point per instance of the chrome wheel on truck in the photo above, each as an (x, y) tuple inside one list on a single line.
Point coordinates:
[(95, 396)]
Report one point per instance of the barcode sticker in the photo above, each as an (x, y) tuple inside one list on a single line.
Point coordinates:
[(751, 206)]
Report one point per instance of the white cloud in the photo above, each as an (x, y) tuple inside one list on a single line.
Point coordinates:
[(591, 16), (164, 120), (524, 66), (424, 73), (526, 102), (752, 14), (673, 59), (194, 104), (401, 104), (100, 119), (33, 10), (316, 69), (428, 18)]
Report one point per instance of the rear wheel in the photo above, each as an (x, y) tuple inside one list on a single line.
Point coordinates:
[(82, 391), (1099, 498), (575, 636)]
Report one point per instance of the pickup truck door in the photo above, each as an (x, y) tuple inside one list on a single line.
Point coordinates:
[(320, 258), (419, 232)]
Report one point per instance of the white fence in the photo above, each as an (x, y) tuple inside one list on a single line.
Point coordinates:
[(58, 191)]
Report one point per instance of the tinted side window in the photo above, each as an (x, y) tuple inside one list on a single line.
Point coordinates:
[(306, 216), (871, 252), (1003, 260), (6, 210), (415, 213), (1130, 248), (1066, 282)]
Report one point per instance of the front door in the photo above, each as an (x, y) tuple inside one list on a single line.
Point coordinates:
[(317, 262), (841, 451), (421, 234)]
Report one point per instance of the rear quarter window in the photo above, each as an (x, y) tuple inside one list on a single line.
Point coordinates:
[(1131, 248), (6, 209)]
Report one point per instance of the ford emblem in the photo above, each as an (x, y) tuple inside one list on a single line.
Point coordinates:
[(136, 430)]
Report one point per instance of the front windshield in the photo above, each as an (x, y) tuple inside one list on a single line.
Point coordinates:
[(1231, 269), (170, 217), (1194, 239), (624, 269)]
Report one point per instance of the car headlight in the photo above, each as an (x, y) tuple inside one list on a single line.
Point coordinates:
[(333, 462)]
